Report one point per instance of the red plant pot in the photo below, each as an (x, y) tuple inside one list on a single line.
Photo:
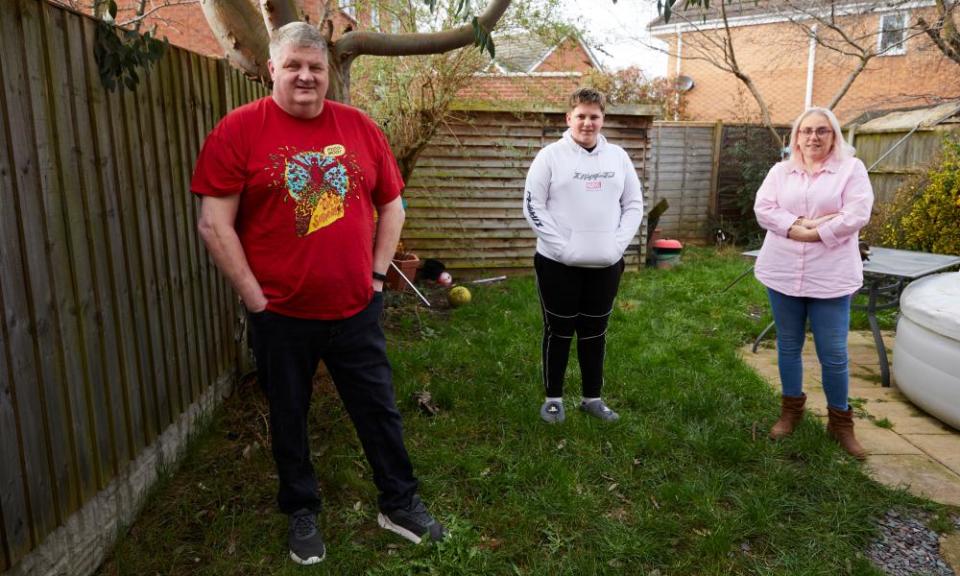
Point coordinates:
[(408, 264)]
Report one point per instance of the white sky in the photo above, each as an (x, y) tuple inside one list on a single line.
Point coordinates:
[(617, 32)]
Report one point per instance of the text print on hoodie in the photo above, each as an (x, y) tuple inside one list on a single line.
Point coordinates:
[(585, 207)]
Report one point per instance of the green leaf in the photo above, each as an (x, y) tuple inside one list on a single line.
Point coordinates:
[(112, 9), (481, 37), (119, 53)]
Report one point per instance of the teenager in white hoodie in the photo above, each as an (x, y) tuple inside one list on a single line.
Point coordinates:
[(584, 201)]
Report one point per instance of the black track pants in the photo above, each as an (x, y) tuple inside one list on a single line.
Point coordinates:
[(577, 301), (288, 351)]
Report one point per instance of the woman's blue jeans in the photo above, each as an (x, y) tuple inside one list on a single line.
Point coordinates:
[(830, 324)]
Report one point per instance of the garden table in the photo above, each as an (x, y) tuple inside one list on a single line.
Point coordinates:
[(886, 273)]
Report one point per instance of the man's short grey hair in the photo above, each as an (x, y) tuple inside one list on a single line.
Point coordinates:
[(299, 34)]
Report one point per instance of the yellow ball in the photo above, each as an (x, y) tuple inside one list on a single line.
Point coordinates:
[(459, 296)]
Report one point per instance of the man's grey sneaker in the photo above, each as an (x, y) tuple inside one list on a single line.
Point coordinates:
[(413, 522), (306, 544), (598, 409), (552, 411)]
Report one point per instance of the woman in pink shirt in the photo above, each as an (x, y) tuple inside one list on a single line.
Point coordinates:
[(812, 207)]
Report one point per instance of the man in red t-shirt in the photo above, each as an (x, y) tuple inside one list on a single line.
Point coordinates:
[(289, 187)]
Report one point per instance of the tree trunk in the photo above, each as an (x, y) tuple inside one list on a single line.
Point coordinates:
[(238, 26), (276, 13), (731, 57), (339, 74)]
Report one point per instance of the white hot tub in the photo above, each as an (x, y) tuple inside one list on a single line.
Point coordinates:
[(926, 353)]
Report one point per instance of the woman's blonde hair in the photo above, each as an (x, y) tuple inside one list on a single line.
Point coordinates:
[(841, 150)]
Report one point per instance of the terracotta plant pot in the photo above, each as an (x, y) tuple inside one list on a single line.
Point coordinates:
[(408, 264)]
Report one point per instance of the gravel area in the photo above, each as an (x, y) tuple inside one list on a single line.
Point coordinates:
[(906, 547)]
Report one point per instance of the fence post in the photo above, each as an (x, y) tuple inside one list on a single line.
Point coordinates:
[(714, 204)]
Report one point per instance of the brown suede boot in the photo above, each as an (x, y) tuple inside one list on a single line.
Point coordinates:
[(791, 413), (840, 428)]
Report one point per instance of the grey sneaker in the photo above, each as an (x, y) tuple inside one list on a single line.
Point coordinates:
[(598, 409), (552, 412), (306, 544), (413, 522)]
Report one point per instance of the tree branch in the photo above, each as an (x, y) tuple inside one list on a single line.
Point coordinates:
[(747, 81), (944, 33), (276, 13), (143, 14), (238, 26), (848, 82), (354, 44)]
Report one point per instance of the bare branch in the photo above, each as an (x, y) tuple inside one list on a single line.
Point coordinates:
[(747, 81), (142, 14), (944, 33), (848, 83)]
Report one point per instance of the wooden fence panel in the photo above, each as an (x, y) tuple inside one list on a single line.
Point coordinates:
[(114, 320), (760, 144), (19, 441), (682, 172), (206, 106), (33, 378), (904, 162), (464, 201), (110, 445), (180, 103), (176, 176), (53, 288), (150, 199), (192, 115), (120, 339), (140, 258), (90, 434)]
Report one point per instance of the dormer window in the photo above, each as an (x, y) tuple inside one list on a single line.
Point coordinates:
[(893, 33)]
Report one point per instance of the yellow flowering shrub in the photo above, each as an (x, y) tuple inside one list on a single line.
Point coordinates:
[(925, 213)]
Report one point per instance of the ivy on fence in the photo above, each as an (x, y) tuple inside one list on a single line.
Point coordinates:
[(121, 52)]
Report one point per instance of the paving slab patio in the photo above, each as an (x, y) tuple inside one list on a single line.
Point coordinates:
[(908, 449), (950, 550)]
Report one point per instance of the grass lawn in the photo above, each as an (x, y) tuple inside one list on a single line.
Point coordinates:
[(685, 483)]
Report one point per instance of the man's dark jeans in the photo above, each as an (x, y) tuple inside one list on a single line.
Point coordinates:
[(288, 351)]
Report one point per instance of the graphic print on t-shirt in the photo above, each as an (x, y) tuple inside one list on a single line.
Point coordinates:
[(319, 183)]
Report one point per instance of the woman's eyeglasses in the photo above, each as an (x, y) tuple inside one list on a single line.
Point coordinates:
[(820, 132)]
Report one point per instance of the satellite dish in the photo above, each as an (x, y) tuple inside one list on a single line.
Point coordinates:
[(684, 83)]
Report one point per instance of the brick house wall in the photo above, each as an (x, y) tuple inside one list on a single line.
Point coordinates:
[(525, 88), (185, 26), (569, 56), (775, 56), (550, 82)]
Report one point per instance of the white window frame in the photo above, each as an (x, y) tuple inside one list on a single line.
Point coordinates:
[(899, 48), (375, 16)]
